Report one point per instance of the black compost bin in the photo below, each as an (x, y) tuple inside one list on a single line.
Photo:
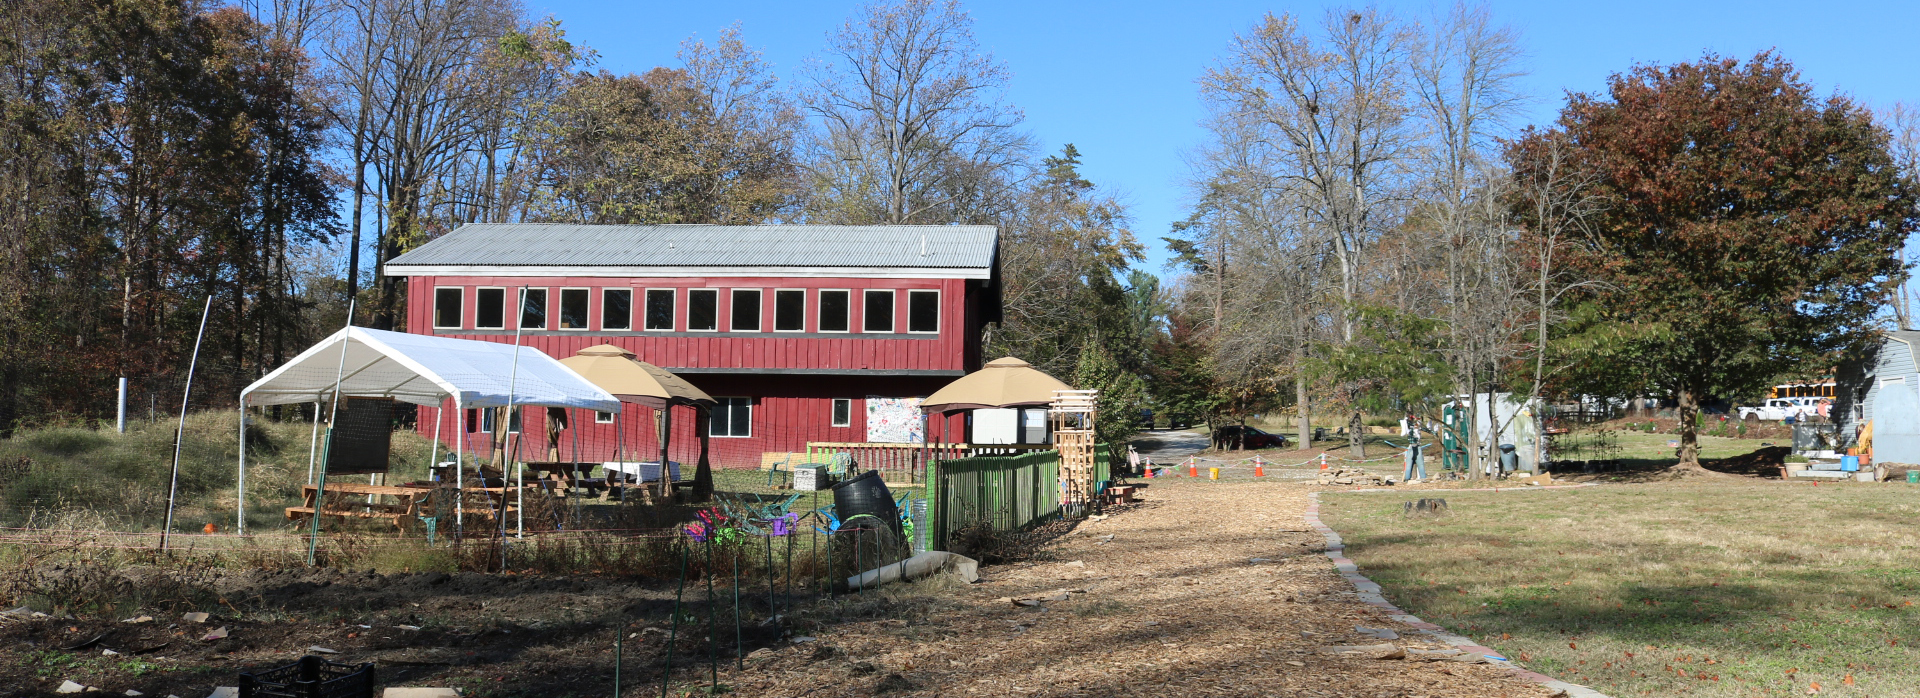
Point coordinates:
[(866, 495)]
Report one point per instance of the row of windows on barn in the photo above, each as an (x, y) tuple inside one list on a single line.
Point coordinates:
[(731, 417), (833, 309)]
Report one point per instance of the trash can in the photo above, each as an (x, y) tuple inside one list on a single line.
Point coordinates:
[(1913, 476), (1509, 461)]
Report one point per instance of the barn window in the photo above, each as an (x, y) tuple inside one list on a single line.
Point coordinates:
[(923, 311), (731, 417), (789, 310), (490, 308), (660, 309), (533, 308), (616, 309), (603, 418), (834, 306), (487, 421), (573, 308), (746, 310), (879, 312), (842, 412), (446, 307), (703, 310)]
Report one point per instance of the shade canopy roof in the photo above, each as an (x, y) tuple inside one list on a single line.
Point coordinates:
[(1005, 382), (616, 371), (425, 370)]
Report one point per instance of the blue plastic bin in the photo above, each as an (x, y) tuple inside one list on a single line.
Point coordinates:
[(1850, 464)]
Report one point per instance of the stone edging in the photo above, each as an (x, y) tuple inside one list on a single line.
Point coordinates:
[(1369, 592)]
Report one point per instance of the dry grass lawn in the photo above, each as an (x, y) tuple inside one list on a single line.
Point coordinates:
[(1703, 587)]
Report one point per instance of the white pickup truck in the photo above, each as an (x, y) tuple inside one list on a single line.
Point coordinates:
[(1781, 408)]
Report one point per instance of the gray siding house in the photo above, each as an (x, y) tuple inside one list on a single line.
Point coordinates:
[(1881, 388)]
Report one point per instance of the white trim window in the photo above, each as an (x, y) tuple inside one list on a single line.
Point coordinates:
[(659, 317), (448, 310), (789, 310), (616, 309), (743, 310), (533, 309), (731, 418), (487, 420), (490, 308), (876, 311), (602, 417), (923, 312), (836, 310), (703, 310), (842, 412), (575, 308)]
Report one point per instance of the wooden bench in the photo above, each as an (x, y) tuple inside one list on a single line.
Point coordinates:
[(563, 477), (410, 501)]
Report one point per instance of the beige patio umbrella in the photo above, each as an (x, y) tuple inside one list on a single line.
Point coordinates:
[(1005, 382), (617, 371)]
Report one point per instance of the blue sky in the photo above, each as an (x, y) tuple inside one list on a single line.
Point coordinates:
[(1116, 79)]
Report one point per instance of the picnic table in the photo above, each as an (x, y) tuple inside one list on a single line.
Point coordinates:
[(409, 501), (563, 477)]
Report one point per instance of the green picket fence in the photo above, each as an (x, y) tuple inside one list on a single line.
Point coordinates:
[(1009, 492)]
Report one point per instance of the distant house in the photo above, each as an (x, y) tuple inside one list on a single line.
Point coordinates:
[(802, 332), (1881, 389)]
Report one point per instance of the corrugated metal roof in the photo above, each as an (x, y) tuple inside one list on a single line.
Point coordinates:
[(555, 244)]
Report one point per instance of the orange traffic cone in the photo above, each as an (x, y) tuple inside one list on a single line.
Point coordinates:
[(1259, 468), (1149, 471), (1193, 469)]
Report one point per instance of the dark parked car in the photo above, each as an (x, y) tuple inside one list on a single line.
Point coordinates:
[(1236, 436)]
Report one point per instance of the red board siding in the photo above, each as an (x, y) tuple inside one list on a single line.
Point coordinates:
[(789, 409), (954, 349)]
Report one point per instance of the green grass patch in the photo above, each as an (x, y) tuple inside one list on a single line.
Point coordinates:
[(1668, 589)]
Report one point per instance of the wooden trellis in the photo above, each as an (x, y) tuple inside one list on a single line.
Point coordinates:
[(1072, 413)]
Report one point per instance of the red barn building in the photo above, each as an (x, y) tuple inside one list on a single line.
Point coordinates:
[(803, 333)]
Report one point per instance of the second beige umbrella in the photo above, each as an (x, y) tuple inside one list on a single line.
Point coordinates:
[(617, 371), (1005, 382)]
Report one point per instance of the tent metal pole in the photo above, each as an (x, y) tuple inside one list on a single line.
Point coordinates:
[(513, 387), (313, 442), (459, 467), (433, 451), (320, 485), (186, 391), (240, 479)]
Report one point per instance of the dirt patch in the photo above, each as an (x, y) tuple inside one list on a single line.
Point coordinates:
[(1208, 588)]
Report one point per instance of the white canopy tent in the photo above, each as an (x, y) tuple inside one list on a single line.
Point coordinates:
[(423, 370)]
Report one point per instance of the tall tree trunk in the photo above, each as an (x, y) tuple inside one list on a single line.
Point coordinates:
[(1356, 435), (1689, 431), (1300, 405)]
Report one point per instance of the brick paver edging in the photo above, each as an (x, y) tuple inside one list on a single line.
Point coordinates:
[(1370, 593)]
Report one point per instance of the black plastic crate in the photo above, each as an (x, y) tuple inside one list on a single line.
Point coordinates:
[(311, 677)]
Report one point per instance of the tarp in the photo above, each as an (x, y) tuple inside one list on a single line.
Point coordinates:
[(1005, 382), (425, 370), (616, 371)]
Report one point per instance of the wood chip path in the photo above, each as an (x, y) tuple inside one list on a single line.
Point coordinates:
[(1207, 589)]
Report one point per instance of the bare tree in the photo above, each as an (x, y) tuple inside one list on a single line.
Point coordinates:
[(1902, 122), (1334, 111), (1464, 75), (1556, 200), (911, 117)]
